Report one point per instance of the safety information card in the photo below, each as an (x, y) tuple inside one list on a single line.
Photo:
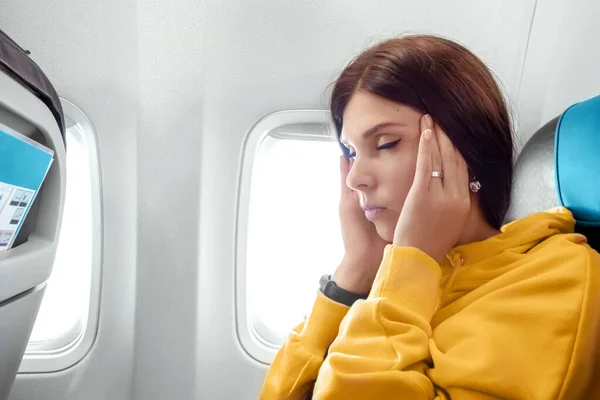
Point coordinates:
[(24, 164)]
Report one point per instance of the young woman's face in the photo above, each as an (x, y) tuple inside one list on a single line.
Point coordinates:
[(383, 139)]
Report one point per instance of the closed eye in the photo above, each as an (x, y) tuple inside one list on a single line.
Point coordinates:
[(352, 154), (389, 145)]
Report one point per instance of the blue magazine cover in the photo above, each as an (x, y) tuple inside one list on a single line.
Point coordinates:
[(24, 165)]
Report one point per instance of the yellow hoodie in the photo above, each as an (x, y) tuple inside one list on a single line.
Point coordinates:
[(516, 316)]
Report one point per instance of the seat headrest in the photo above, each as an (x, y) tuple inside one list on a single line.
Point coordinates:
[(560, 166), (577, 161)]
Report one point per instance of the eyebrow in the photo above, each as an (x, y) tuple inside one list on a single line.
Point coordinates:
[(371, 131)]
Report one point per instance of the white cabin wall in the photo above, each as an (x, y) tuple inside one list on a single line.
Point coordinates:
[(562, 66), (173, 87), (575, 64), (171, 76), (88, 50)]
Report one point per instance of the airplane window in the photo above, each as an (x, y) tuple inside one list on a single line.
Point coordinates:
[(293, 231), (64, 310)]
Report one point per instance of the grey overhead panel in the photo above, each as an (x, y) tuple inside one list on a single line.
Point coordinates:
[(30, 106)]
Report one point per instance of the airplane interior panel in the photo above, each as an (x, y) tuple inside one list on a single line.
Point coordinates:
[(190, 193)]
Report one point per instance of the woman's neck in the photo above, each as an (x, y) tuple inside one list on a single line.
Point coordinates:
[(476, 228)]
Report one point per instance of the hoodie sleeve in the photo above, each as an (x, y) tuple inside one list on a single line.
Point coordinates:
[(383, 344), (295, 368)]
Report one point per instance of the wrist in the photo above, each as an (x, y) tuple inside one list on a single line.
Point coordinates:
[(352, 278), (331, 290)]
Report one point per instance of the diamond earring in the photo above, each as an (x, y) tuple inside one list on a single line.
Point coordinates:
[(474, 185)]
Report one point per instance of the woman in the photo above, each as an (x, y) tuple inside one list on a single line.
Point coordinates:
[(450, 304)]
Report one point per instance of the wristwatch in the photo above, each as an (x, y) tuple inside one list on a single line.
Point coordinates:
[(332, 291)]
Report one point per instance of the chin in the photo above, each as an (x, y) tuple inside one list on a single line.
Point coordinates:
[(385, 231)]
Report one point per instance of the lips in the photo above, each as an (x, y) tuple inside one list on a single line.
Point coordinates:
[(372, 212)]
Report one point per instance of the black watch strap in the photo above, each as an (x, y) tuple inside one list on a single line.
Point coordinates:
[(336, 293)]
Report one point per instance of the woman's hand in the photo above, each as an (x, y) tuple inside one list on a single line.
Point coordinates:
[(362, 245), (436, 209)]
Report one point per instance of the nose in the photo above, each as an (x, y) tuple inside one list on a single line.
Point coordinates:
[(360, 177)]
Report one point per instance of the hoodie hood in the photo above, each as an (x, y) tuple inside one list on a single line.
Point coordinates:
[(472, 265), (519, 236)]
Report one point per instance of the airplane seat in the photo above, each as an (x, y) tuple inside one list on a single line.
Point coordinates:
[(29, 107), (560, 166)]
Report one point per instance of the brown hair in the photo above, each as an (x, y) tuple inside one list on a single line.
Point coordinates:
[(442, 78)]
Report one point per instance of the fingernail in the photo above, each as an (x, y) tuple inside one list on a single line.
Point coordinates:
[(428, 120), (427, 134)]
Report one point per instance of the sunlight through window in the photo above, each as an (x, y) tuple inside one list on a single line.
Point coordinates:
[(293, 231), (64, 309)]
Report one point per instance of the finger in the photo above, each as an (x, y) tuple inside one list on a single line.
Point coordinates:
[(463, 179), (449, 161), (436, 158), (345, 167), (344, 171), (424, 157)]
